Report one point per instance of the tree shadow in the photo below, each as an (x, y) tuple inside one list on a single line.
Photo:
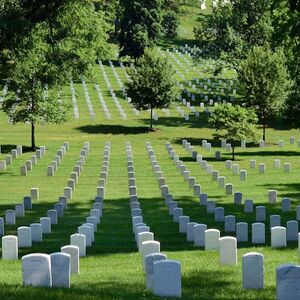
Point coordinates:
[(8, 147), (193, 122), (113, 129), (270, 153)]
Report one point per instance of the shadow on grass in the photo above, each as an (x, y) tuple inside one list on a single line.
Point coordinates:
[(269, 153), (8, 147), (112, 129), (103, 289), (193, 122), (215, 143)]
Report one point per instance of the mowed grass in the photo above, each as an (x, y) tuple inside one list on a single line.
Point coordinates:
[(112, 268)]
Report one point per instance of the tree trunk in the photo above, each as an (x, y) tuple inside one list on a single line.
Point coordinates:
[(151, 118), (264, 130), (233, 154), (33, 147)]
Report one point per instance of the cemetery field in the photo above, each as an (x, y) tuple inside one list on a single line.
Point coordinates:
[(112, 268)]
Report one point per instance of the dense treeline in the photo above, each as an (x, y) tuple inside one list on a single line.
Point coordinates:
[(233, 30), (44, 44)]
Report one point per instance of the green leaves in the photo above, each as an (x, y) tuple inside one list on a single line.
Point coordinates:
[(234, 123), (140, 26), (152, 83), (50, 42), (264, 81)]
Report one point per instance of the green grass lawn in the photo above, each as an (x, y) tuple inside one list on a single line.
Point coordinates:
[(112, 268)]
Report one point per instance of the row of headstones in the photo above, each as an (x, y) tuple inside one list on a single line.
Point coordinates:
[(164, 189), (286, 202), (19, 211), (10, 215), (112, 93), (252, 263), (118, 79), (191, 95), (103, 103), (108, 84), (58, 272), (74, 100), (54, 270), (77, 170), (36, 230), (104, 172), (89, 228), (163, 276), (124, 69), (229, 221), (208, 91), (88, 100), (183, 170), (190, 52), (76, 249), (10, 157), (60, 154), (187, 227), (228, 165), (261, 167), (177, 62), (118, 104), (219, 85), (28, 166)]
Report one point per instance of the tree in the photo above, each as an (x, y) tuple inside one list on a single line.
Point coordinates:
[(28, 99), (234, 124), (140, 26), (152, 83), (63, 43), (170, 18), (233, 29), (264, 82), (287, 34)]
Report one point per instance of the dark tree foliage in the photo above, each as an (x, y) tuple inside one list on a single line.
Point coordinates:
[(42, 45), (170, 18), (232, 29), (140, 26)]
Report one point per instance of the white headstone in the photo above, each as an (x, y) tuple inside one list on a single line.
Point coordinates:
[(60, 269), (74, 253), (212, 237), (167, 278), (228, 250), (36, 270), (253, 270)]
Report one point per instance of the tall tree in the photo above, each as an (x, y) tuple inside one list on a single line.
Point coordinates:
[(234, 124), (170, 18), (140, 26), (287, 35), (152, 84), (264, 82), (50, 51), (234, 28)]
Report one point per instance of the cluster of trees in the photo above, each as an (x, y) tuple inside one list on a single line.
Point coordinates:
[(42, 45), (260, 40), (143, 22)]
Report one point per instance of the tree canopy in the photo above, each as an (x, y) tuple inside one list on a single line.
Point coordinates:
[(264, 82), (46, 50), (152, 83), (233, 124), (140, 26)]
